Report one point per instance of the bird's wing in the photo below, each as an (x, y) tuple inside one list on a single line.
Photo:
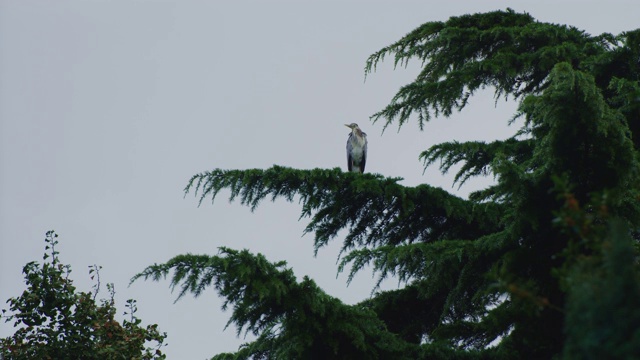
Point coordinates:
[(364, 153), (349, 148)]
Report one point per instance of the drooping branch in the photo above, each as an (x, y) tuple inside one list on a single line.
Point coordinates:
[(255, 287), (268, 301), (434, 261), (374, 209), (477, 157), (505, 50)]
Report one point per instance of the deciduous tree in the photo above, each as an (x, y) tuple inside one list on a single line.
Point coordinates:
[(54, 321)]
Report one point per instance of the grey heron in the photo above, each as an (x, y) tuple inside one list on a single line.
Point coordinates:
[(356, 148)]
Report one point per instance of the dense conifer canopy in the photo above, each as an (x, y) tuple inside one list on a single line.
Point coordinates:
[(508, 273)]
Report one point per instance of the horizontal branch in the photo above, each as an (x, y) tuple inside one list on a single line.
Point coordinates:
[(375, 210)]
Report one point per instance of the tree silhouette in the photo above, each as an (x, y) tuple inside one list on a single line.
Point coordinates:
[(54, 321), (485, 277)]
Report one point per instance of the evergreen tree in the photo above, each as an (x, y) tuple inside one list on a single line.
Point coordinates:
[(485, 277)]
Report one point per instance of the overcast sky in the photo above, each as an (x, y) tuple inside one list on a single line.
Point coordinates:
[(107, 108)]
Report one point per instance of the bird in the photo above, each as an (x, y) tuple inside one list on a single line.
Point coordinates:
[(356, 148)]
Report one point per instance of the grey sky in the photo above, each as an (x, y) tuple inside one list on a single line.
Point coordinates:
[(108, 107)]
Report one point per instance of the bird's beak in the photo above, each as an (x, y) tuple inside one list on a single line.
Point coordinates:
[(347, 125)]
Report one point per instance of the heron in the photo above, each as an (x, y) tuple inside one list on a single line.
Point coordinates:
[(356, 148)]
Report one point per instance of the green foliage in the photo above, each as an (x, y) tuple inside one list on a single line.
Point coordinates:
[(508, 51), (54, 321), (513, 271), (601, 279), (603, 309), (477, 157), (335, 200), (295, 320)]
